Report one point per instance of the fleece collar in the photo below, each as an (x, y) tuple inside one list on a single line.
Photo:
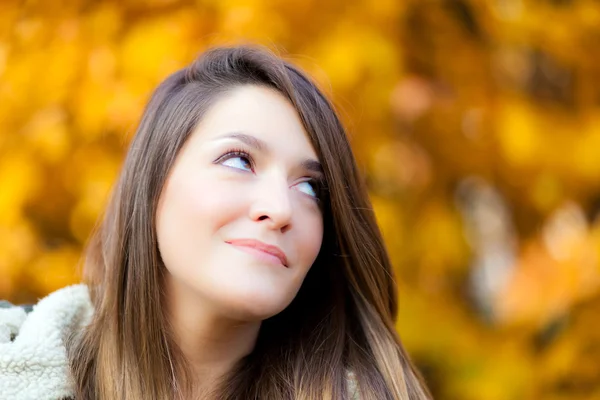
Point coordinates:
[(33, 358)]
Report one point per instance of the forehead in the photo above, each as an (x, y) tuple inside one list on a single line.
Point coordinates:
[(260, 112)]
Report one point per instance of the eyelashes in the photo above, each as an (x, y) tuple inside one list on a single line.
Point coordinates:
[(236, 152), (317, 182)]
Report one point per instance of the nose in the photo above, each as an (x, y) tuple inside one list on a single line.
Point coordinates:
[(271, 203)]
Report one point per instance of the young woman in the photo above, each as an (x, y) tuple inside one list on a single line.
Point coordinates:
[(239, 257)]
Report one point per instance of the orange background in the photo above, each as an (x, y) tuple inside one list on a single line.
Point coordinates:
[(476, 123)]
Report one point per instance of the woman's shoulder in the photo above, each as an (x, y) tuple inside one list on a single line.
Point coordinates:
[(33, 356)]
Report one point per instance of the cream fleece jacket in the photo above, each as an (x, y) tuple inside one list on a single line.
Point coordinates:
[(33, 359)]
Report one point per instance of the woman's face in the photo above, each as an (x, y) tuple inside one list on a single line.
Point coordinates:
[(238, 221)]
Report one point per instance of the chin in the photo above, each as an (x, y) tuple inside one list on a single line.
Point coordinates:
[(257, 306)]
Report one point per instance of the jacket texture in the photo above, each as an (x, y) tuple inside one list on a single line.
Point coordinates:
[(33, 358)]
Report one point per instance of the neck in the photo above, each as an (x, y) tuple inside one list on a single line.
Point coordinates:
[(212, 344)]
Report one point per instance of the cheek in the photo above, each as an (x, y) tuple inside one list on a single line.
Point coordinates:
[(190, 214), (310, 242), (201, 201)]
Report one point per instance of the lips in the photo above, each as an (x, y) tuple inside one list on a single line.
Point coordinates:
[(257, 245)]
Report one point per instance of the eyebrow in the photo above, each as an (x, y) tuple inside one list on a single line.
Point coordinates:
[(260, 145)]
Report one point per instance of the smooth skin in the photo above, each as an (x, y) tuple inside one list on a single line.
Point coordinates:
[(248, 172)]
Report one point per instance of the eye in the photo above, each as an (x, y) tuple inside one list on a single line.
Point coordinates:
[(310, 187), (237, 159)]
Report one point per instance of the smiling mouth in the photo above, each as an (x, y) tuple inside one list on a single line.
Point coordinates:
[(262, 251)]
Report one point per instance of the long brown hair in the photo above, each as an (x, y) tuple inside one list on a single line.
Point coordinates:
[(336, 335)]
